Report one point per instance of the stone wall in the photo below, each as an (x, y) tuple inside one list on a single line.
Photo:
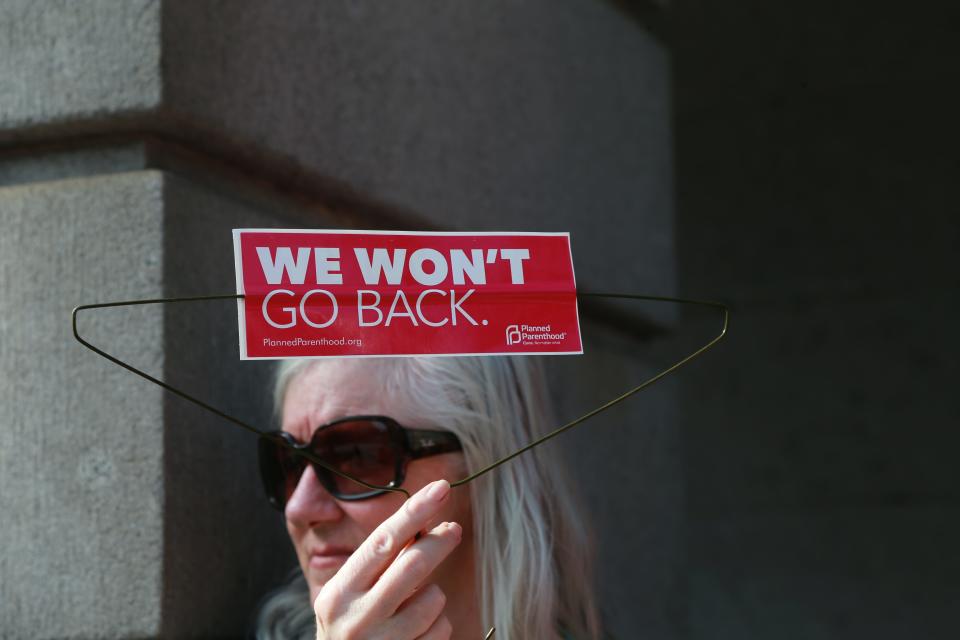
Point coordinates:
[(135, 135)]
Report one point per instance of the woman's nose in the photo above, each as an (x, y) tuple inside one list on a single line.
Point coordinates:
[(311, 503)]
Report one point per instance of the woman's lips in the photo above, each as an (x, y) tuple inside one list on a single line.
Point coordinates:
[(328, 558)]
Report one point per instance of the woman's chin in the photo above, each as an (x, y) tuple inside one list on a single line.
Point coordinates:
[(320, 570), (316, 582)]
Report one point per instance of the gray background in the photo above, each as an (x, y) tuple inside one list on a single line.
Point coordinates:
[(794, 159)]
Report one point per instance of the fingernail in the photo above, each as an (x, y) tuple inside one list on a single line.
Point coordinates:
[(438, 490), (456, 529)]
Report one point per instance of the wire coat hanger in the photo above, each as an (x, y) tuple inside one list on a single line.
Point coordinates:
[(315, 460)]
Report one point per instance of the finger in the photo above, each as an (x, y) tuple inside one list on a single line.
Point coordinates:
[(376, 553), (413, 566), (440, 630), (418, 613)]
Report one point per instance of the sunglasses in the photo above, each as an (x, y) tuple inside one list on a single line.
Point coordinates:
[(374, 449)]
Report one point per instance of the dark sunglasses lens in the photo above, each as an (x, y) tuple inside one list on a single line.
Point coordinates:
[(363, 449), (280, 470)]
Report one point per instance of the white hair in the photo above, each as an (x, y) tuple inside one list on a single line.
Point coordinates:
[(533, 553)]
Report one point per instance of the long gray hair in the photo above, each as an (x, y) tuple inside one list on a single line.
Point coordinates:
[(533, 553)]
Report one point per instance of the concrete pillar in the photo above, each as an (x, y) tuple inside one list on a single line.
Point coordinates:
[(81, 444)]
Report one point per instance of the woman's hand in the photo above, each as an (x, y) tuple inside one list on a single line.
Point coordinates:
[(377, 594)]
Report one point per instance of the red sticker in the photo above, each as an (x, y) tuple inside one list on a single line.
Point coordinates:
[(310, 294)]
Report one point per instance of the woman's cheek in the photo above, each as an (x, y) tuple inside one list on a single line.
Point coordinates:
[(369, 514)]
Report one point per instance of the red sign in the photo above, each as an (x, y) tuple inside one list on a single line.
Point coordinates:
[(314, 294)]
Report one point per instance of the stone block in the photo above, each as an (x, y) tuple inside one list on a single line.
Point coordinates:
[(81, 441), (64, 61), (129, 512), (225, 546)]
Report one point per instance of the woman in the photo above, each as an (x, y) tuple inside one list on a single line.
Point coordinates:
[(508, 550)]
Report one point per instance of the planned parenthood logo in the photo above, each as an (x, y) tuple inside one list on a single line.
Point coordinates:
[(528, 334)]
